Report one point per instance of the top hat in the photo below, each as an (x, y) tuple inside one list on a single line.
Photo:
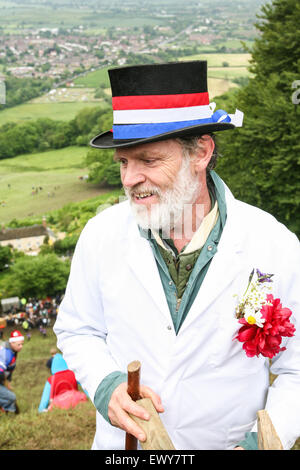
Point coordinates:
[(162, 101)]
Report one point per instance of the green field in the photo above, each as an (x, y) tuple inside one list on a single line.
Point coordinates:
[(228, 73), (56, 171), (216, 60), (224, 66), (19, 16), (57, 110), (93, 79)]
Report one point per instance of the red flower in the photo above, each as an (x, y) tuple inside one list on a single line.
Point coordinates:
[(267, 340)]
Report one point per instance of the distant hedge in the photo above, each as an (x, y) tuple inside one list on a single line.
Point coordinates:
[(43, 134), (20, 90)]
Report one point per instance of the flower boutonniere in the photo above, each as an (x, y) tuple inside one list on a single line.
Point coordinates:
[(264, 320)]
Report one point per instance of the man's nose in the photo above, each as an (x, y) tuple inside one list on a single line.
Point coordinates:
[(132, 175)]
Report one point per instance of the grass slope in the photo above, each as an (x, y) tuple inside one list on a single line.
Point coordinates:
[(60, 111), (93, 79), (56, 171), (56, 430)]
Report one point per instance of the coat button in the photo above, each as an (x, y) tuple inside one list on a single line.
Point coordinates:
[(188, 267), (169, 327), (210, 247)]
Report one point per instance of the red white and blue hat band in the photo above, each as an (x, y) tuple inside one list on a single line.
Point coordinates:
[(147, 116)]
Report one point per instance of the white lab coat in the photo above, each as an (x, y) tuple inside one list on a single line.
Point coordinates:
[(115, 311)]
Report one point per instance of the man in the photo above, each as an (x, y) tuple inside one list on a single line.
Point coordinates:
[(158, 278), (8, 356)]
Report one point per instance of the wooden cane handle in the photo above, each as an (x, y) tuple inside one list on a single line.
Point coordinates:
[(133, 390)]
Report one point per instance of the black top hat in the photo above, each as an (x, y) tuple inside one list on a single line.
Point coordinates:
[(162, 101)]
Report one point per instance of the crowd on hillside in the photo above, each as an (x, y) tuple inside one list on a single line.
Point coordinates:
[(32, 313)]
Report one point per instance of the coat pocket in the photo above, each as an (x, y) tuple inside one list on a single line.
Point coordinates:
[(229, 352)]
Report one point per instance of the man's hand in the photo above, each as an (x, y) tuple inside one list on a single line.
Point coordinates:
[(121, 404)]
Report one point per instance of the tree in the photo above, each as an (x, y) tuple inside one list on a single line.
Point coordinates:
[(102, 168), (261, 160), (5, 257), (66, 246), (39, 276)]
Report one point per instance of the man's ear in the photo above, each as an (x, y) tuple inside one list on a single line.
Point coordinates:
[(202, 156)]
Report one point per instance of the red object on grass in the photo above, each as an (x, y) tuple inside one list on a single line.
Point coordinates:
[(68, 399), (61, 382), (64, 391)]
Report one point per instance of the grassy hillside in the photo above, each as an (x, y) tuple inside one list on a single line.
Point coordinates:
[(56, 430), (93, 79), (56, 171)]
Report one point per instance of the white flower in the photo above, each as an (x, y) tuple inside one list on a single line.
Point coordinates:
[(254, 298), (253, 317)]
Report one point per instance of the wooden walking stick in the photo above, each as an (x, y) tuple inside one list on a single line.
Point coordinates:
[(133, 389), (156, 435), (267, 436)]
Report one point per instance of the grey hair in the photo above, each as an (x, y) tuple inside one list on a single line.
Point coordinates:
[(190, 145)]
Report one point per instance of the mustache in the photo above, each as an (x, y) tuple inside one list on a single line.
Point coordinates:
[(136, 190)]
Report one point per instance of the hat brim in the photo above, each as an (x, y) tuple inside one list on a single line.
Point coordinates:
[(106, 140)]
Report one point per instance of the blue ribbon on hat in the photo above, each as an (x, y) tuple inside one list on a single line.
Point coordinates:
[(142, 131)]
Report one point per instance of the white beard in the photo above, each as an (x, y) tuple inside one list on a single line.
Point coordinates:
[(175, 202)]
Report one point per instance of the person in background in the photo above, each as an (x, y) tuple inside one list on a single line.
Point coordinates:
[(53, 351), (2, 327), (59, 369), (8, 357)]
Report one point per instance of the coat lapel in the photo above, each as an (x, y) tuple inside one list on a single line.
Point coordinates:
[(143, 265)]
